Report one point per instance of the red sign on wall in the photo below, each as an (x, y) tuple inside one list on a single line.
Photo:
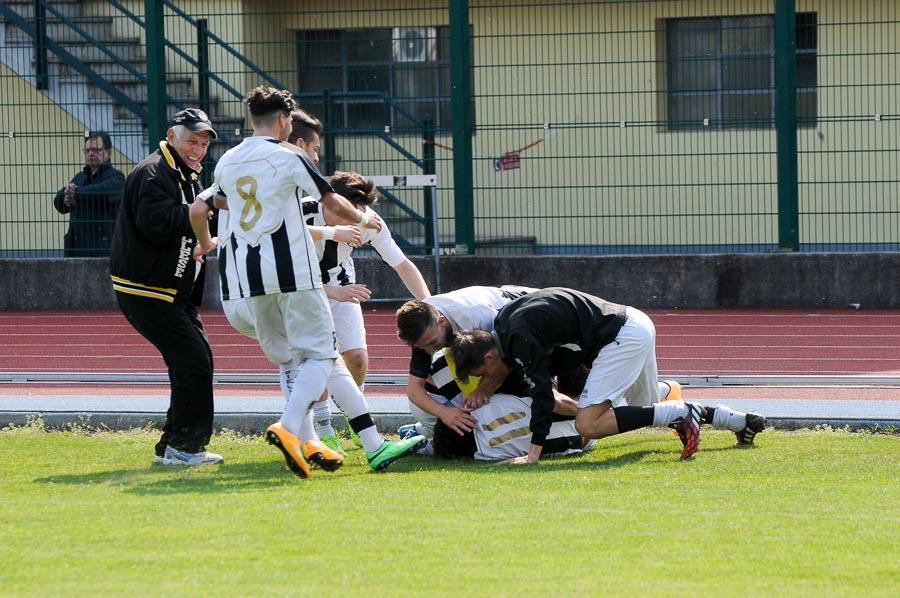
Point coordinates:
[(508, 161)]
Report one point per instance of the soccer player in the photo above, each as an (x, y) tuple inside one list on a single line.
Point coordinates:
[(380, 453), (339, 278), (273, 255), (503, 431), (617, 343), (427, 326)]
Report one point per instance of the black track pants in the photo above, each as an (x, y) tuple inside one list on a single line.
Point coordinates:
[(177, 333)]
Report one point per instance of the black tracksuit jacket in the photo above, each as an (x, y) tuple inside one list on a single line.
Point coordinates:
[(153, 240)]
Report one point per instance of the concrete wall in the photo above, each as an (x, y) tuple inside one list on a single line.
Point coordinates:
[(698, 281)]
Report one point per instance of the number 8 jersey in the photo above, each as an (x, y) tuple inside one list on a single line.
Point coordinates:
[(267, 248)]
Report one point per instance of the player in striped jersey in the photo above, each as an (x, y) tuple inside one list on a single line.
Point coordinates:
[(503, 431), (380, 453), (338, 272), (339, 277), (263, 179)]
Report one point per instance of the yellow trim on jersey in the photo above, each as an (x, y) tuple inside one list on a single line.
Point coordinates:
[(466, 388), (128, 287), (504, 419), (507, 436), (164, 150)]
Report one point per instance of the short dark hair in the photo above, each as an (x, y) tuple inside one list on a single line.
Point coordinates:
[(267, 102), (102, 136), (358, 190), (304, 125), (413, 319), (468, 349)]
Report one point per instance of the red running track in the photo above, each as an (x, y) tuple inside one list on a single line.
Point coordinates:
[(690, 342)]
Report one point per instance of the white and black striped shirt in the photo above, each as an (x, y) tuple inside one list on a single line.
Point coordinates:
[(266, 248), (335, 260)]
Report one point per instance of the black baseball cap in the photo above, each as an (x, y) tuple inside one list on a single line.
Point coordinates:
[(194, 119)]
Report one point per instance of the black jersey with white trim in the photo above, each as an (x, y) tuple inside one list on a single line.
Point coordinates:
[(529, 330)]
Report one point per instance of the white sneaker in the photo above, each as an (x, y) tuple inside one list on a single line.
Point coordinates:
[(176, 457)]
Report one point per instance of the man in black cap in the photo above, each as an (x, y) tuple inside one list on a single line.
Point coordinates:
[(159, 286)]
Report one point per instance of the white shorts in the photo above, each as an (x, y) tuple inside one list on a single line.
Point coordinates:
[(296, 324), (624, 371), (237, 312), (348, 325)]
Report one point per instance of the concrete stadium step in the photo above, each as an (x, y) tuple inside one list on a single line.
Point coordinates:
[(100, 28), (25, 8)]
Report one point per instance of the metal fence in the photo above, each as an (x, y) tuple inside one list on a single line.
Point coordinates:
[(555, 127)]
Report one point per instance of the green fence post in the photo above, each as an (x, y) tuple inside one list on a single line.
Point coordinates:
[(330, 143), (156, 71), (203, 98), (428, 167), (41, 68), (786, 124), (461, 101)]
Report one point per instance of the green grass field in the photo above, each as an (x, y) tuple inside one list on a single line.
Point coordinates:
[(804, 513)]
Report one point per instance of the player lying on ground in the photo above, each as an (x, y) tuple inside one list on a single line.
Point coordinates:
[(339, 278), (617, 343), (502, 431)]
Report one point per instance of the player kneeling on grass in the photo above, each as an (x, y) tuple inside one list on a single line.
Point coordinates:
[(617, 343)]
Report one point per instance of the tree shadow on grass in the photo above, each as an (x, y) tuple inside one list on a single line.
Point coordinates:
[(163, 480)]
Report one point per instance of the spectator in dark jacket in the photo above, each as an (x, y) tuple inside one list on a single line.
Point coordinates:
[(91, 199), (158, 285)]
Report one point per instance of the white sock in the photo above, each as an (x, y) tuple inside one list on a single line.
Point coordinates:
[(322, 418), (726, 418), (286, 373), (371, 439), (351, 401), (666, 412), (308, 428), (309, 382)]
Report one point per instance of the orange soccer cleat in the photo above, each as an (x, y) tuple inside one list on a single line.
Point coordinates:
[(289, 444)]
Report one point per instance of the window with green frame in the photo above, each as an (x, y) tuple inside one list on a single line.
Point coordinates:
[(720, 72)]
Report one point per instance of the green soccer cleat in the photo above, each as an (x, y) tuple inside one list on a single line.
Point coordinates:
[(333, 443), (391, 450)]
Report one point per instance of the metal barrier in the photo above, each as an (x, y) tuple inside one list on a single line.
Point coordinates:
[(555, 127)]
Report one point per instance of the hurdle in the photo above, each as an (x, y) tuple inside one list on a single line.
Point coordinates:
[(428, 181)]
